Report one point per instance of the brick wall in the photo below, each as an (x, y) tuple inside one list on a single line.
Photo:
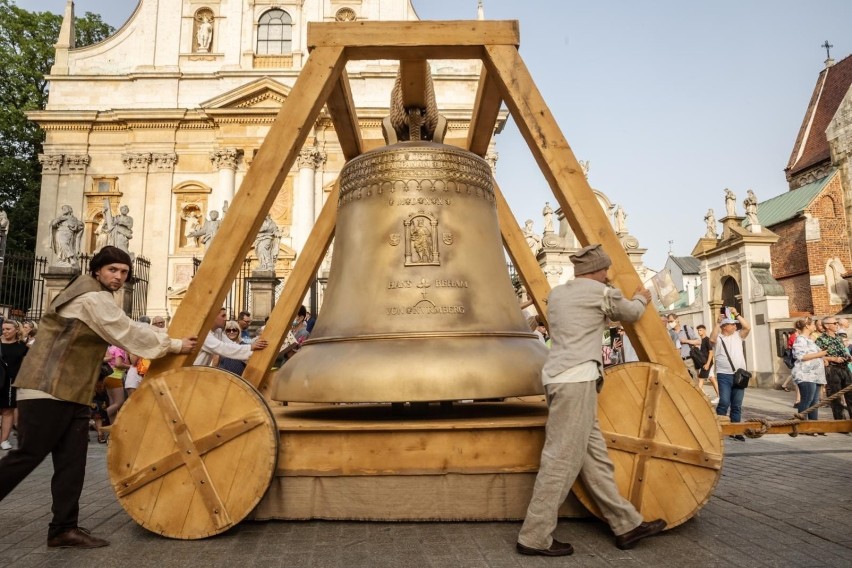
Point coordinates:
[(794, 260)]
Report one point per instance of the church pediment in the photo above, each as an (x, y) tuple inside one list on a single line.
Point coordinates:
[(261, 94)]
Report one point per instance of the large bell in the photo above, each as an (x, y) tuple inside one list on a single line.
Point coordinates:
[(419, 305)]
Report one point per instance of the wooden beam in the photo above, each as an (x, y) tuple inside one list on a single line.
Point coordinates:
[(413, 80), (806, 427), (341, 108), (294, 290), (522, 257), (427, 35), (254, 199), (575, 196), (486, 109)]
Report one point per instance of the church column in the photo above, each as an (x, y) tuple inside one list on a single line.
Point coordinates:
[(225, 160), (134, 189), (158, 229), (746, 292), (304, 199), (48, 207)]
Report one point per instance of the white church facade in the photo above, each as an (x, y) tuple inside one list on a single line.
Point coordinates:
[(165, 116)]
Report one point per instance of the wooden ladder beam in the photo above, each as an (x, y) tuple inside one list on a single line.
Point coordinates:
[(341, 108), (486, 110), (264, 179), (571, 189)]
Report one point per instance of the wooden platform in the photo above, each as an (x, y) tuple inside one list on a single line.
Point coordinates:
[(367, 462)]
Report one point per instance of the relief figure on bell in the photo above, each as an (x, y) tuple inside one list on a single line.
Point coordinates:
[(421, 240)]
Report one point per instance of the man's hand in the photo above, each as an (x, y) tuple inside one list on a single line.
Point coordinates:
[(259, 344), (644, 292), (188, 343)]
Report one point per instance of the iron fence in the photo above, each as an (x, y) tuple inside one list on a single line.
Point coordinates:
[(238, 298), (22, 284)]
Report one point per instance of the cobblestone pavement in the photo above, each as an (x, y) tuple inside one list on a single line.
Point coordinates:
[(781, 502)]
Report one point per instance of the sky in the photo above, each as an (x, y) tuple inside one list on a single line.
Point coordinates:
[(669, 101)]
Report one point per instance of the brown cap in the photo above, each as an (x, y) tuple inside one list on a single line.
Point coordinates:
[(589, 259)]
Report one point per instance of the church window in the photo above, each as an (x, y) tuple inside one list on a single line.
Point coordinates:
[(274, 33)]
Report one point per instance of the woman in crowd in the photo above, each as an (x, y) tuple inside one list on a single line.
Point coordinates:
[(232, 333), (13, 351), (28, 331), (809, 368), (114, 384)]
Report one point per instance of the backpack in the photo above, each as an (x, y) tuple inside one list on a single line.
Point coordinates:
[(788, 358)]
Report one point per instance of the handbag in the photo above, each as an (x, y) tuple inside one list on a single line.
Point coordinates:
[(741, 376), (695, 353), (106, 370)]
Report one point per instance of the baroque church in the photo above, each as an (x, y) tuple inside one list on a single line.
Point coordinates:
[(165, 116)]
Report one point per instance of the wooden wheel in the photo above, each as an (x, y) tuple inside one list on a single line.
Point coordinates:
[(192, 452), (663, 439)]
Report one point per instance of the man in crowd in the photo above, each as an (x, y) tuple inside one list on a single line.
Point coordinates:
[(57, 381), (686, 338), (215, 344), (244, 321), (837, 375), (578, 312), (728, 349)]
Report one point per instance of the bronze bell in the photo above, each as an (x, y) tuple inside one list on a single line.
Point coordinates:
[(419, 304)]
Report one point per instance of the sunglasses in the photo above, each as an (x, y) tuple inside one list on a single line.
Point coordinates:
[(230, 329)]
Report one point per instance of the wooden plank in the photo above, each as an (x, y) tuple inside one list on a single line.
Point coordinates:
[(341, 108), (572, 191), (647, 431), (806, 427), (410, 452), (389, 36), (522, 257), (252, 202), (413, 81), (658, 450), (486, 110), (189, 453), (294, 290)]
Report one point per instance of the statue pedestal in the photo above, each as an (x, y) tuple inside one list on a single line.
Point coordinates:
[(124, 298), (55, 280), (262, 285)]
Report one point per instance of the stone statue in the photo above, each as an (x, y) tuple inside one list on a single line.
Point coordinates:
[(548, 217), (101, 235), (204, 36), (620, 220), (120, 227), (191, 224), (533, 240), (710, 220), (585, 165), (750, 204), (208, 230), (66, 232), (838, 288), (730, 203), (4, 222), (266, 244)]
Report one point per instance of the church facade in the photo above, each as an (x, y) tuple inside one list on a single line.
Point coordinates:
[(165, 116)]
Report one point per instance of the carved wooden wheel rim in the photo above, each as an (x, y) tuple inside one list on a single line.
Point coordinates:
[(192, 452), (664, 441)]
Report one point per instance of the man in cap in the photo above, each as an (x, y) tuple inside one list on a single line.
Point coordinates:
[(728, 347), (57, 380), (578, 312)]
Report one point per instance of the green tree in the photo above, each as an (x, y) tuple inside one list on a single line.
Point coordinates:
[(27, 52)]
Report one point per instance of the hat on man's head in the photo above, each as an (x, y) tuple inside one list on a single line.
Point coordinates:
[(110, 255), (589, 259), (726, 321)]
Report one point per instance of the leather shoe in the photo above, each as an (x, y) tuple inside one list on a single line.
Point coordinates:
[(629, 539), (76, 538), (556, 549)]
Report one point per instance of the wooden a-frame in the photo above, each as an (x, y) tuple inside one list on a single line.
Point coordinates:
[(323, 81)]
